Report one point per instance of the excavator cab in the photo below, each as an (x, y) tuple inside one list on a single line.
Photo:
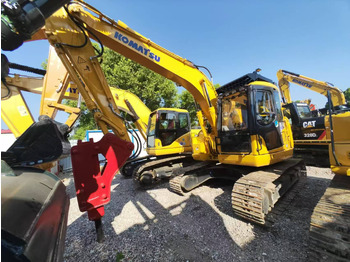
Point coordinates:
[(251, 128), (305, 125), (169, 132)]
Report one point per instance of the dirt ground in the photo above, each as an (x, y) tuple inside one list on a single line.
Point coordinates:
[(158, 225)]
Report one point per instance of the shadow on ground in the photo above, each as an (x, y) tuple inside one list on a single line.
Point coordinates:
[(157, 225)]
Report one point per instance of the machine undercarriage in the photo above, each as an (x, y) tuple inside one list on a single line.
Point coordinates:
[(255, 191)]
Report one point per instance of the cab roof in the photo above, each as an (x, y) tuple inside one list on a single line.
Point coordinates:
[(244, 80)]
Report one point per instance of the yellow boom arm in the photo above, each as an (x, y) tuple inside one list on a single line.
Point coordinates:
[(53, 88), (70, 39), (14, 110), (285, 78)]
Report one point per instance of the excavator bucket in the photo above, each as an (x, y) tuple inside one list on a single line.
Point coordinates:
[(43, 142), (34, 212)]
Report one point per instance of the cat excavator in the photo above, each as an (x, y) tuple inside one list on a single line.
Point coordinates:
[(329, 227), (244, 135)]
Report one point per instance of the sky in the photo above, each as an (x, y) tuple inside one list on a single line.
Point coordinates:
[(233, 38)]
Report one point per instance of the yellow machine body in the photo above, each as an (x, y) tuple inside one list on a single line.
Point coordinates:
[(242, 123), (252, 129), (340, 158), (14, 110), (169, 132)]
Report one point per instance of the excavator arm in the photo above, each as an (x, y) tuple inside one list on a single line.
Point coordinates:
[(122, 39), (14, 109), (53, 88), (134, 107), (119, 37), (285, 78)]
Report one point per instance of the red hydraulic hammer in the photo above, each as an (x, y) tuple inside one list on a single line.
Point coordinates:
[(93, 186)]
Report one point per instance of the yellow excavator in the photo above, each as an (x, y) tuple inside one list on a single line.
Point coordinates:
[(241, 123), (329, 228), (265, 140), (309, 132), (171, 144), (244, 135)]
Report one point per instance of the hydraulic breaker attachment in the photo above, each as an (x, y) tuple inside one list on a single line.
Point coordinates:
[(93, 186), (44, 141)]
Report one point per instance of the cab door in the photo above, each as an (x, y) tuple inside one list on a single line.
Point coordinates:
[(151, 130), (167, 127), (233, 123), (268, 116)]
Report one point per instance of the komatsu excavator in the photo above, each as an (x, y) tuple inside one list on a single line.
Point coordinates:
[(330, 226), (171, 144), (243, 135)]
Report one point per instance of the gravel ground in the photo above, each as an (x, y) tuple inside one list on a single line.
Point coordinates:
[(158, 225)]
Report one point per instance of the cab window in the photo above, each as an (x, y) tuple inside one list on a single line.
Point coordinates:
[(264, 102), (278, 105), (152, 125), (234, 113), (183, 119), (167, 128), (264, 107), (151, 131), (304, 111), (167, 121)]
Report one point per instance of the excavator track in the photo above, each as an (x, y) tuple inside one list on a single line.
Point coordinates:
[(280, 207), (330, 223), (283, 204), (175, 185), (182, 182), (255, 194), (152, 165), (247, 202)]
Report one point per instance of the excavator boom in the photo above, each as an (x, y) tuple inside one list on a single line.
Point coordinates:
[(285, 77)]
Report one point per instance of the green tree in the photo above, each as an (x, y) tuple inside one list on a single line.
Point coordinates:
[(153, 89), (187, 102), (86, 120), (44, 64), (217, 86), (347, 95)]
